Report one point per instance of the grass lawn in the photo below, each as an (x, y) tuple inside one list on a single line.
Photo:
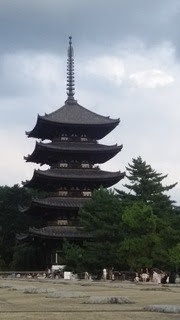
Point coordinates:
[(70, 304)]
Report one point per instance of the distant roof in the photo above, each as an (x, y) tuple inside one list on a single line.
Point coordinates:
[(76, 173), (71, 146), (72, 115), (60, 202), (48, 153), (64, 203), (59, 232), (57, 177)]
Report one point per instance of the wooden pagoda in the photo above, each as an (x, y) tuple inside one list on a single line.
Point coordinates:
[(72, 155)]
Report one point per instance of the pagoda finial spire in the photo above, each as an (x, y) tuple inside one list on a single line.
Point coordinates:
[(70, 71)]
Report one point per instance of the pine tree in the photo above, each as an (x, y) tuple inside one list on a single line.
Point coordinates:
[(146, 185), (131, 230), (102, 218)]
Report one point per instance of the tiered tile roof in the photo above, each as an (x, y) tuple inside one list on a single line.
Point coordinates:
[(46, 153)]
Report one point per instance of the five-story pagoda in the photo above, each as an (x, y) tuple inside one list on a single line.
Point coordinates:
[(72, 155)]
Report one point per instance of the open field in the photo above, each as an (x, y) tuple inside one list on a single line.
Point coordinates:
[(55, 300)]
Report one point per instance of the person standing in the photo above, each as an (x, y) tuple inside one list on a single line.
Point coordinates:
[(105, 274)]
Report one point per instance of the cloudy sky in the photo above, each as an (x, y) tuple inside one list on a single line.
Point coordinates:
[(127, 65)]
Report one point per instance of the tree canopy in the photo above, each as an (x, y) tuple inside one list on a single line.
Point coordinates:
[(145, 184), (14, 221), (131, 229)]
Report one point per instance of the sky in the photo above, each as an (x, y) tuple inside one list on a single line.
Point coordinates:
[(127, 66)]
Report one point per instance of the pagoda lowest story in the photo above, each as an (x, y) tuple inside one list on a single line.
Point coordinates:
[(72, 154)]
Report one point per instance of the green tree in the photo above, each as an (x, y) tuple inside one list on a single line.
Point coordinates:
[(101, 220), (27, 256), (2, 263), (142, 245), (12, 220), (130, 230), (174, 254), (145, 184), (74, 257)]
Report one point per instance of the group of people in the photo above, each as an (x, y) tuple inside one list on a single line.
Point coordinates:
[(156, 276), (108, 274)]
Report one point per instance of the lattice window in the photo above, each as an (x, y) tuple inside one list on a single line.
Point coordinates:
[(64, 137), (62, 193), (63, 164), (87, 193), (84, 137), (62, 222), (85, 165)]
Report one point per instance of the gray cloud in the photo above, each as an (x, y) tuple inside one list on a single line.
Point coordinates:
[(45, 25)]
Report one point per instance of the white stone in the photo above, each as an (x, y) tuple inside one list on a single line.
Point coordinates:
[(109, 299), (169, 308), (67, 294)]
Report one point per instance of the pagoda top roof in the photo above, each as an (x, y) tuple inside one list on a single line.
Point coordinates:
[(71, 115), (59, 232), (74, 113)]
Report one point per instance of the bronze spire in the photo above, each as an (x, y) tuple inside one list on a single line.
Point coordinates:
[(70, 71)]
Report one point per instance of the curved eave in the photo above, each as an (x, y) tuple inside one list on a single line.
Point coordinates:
[(72, 112), (22, 236), (35, 129), (60, 232), (45, 154), (46, 129), (57, 203), (48, 180)]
